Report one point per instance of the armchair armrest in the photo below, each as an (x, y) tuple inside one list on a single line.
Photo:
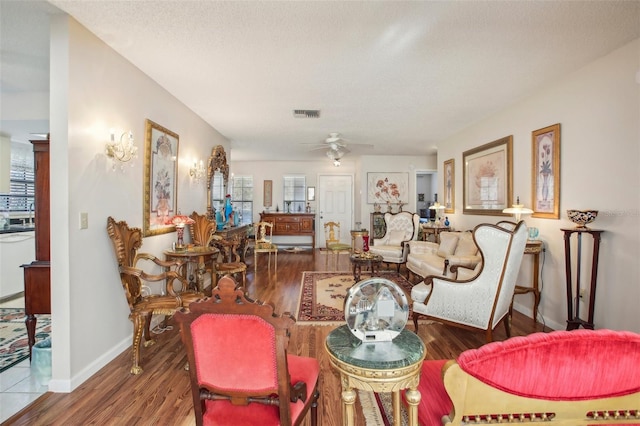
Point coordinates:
[(169, 276), (466, 261)]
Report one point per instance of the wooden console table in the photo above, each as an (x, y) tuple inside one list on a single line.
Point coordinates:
[(573, 320), (534, 248), (292, 224), (241, 232), (434, 230)]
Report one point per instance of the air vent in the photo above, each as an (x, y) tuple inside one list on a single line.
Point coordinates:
[(306, 113)]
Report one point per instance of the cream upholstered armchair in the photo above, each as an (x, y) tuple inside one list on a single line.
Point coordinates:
[(401, 228), (483, 301)]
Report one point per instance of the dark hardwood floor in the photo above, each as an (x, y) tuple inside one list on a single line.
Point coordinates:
[(161, 394)]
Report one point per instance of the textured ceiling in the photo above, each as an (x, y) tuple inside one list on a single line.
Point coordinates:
[(401, 76)]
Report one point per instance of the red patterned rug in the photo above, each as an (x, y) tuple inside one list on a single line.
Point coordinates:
[(322, 294)]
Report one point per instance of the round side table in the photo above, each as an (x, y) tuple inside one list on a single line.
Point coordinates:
[(378, 367)]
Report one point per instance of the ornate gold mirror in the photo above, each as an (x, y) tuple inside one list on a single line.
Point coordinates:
[(217, 180)]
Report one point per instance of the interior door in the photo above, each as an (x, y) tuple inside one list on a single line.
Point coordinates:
[(335, 203)]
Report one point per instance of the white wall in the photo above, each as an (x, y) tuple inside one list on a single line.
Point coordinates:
[(598, 108), (274, 170), (94, 89)]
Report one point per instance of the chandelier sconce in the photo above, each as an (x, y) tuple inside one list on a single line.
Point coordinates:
[(197, 171), (122, 151)]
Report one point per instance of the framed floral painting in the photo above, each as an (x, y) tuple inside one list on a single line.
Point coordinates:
[(387, 188), (545, 179), (449, 187), (488, 178), (160, 179)]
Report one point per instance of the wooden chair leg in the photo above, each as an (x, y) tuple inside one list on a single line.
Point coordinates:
[(415, 322)]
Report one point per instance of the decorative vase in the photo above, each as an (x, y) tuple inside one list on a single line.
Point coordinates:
[(219, 220), (446, 221), (228, 209), (365, 243)]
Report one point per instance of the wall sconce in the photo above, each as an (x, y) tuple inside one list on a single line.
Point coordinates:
[(122, 151), (517, 210), (197, 171), (336, 162)]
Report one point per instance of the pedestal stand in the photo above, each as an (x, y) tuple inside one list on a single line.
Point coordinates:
[(574, 321)]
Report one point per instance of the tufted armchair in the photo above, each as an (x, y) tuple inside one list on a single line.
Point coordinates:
[(571, 378), (401, 228), (481, 302)]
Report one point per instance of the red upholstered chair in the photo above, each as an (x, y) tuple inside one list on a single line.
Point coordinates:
[(240, 371), (580, 377)]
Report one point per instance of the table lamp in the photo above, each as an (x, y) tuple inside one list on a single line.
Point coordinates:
[(517, 210), (180, 221)]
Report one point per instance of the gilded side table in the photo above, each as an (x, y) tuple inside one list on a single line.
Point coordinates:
[(200, 257), (378, 367), (534, 248)]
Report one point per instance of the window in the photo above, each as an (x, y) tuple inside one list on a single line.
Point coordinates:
[(17, 205), (242, 197), (294, 194)]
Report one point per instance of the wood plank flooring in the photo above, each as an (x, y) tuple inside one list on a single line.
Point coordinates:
[(161, 394)]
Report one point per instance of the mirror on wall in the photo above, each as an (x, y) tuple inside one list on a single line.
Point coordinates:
[(217, 180)]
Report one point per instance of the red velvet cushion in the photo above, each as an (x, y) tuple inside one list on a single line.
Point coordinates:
[(434, 400), (561, 365), (223, 359), (224, 413)]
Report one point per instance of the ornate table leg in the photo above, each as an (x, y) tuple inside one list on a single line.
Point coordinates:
[(413, 399), (397, 412), (348, 402)]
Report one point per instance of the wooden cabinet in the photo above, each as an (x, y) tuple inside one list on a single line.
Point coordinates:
[(37, 274), (292, 224), (378, 226)]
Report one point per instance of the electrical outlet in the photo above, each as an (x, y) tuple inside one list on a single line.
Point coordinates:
[(84, 220)]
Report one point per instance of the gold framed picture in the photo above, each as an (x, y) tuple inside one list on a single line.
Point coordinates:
[(488, 178), (449, 186), (545, 172), (160, 179)]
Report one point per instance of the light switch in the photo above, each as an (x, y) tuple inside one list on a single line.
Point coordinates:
[(84, 220)]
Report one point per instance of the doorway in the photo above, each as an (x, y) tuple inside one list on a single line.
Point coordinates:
[(335, 203), (426, 193)]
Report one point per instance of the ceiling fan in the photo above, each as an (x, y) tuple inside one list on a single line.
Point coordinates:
[(335, 142)]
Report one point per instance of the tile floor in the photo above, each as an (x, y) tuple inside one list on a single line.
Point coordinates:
[(19, 386)]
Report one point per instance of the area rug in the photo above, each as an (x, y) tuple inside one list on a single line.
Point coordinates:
[(322, 294), (378, 408), (14, 344)]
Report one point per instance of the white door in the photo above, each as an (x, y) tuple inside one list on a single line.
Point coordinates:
[(335, 204)]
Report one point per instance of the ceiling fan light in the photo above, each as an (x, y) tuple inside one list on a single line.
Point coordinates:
[(336, 162)]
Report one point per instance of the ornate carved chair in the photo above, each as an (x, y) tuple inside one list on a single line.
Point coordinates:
[(240, 371), (264, 244), (202, 230), (231, 264), (484, 300), (401, 228), (332, 240), (126, 242)]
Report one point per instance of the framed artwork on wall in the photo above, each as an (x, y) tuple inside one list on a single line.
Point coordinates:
[(449, 187), (268, 193), (160, 178), (387, 188), (545, 168), (488, 178)]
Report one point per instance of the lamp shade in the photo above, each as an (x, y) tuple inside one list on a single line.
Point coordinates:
[(179, 220), (517, 210)]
